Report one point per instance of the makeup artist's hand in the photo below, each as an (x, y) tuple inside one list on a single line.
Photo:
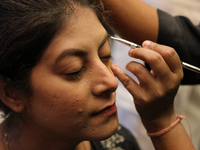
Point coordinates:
[(154, 95)]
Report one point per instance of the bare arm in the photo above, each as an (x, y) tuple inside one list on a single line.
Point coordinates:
[(133, 17), (154, 95)]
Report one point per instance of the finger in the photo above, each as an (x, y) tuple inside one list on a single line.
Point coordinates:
[(168, 53), (154, 59), (131, 85), (145, 78)]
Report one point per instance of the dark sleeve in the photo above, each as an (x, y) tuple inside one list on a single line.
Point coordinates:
[(179, 33)]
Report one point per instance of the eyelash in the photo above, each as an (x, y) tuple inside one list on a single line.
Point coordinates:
[(75, 75), (106, 58)]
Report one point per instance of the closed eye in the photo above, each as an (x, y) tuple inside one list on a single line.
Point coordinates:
[(76, 74), (106, 58)]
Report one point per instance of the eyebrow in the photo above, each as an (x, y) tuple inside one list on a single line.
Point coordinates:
[(104, 40), (78, 52), (70, 52)]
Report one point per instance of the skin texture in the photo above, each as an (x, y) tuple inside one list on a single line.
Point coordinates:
[(72, 83)]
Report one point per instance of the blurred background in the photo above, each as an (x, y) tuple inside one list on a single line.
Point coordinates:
[(188, 98)]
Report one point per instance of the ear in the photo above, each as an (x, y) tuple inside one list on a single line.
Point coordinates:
[(11, 97)]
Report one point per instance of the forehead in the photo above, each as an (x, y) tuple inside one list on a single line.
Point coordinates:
[(82, 31), (83, 22)]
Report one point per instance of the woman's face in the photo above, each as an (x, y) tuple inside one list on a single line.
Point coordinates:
[(73, 85)]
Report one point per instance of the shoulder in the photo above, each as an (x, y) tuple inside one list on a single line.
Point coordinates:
[(121, 140)]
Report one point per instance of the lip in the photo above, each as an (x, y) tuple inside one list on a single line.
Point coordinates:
[(109, 110)]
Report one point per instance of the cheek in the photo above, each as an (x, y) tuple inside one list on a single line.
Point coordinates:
[(59, 106)]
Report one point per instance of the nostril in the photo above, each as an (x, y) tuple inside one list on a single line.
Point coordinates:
[(107, 94), (105, 89)]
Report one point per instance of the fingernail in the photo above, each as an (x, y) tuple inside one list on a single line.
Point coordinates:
[(114, 66), (146, 43), (130, 51)]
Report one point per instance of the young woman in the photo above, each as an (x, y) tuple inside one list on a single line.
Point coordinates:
[(57, 80)]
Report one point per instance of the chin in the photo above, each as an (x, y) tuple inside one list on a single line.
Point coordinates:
[(106, 131)]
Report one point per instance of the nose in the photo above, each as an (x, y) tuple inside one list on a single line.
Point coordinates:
[(104, 81)]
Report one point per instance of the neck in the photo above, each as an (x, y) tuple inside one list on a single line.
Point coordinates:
[(31, 140), (31, 137)]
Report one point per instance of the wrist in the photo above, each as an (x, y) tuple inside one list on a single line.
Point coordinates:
[(160, 123)]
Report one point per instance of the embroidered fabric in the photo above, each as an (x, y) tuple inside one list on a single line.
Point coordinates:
[(121, 140)]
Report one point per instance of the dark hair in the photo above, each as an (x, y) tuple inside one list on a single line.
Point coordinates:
[(26, 29)]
